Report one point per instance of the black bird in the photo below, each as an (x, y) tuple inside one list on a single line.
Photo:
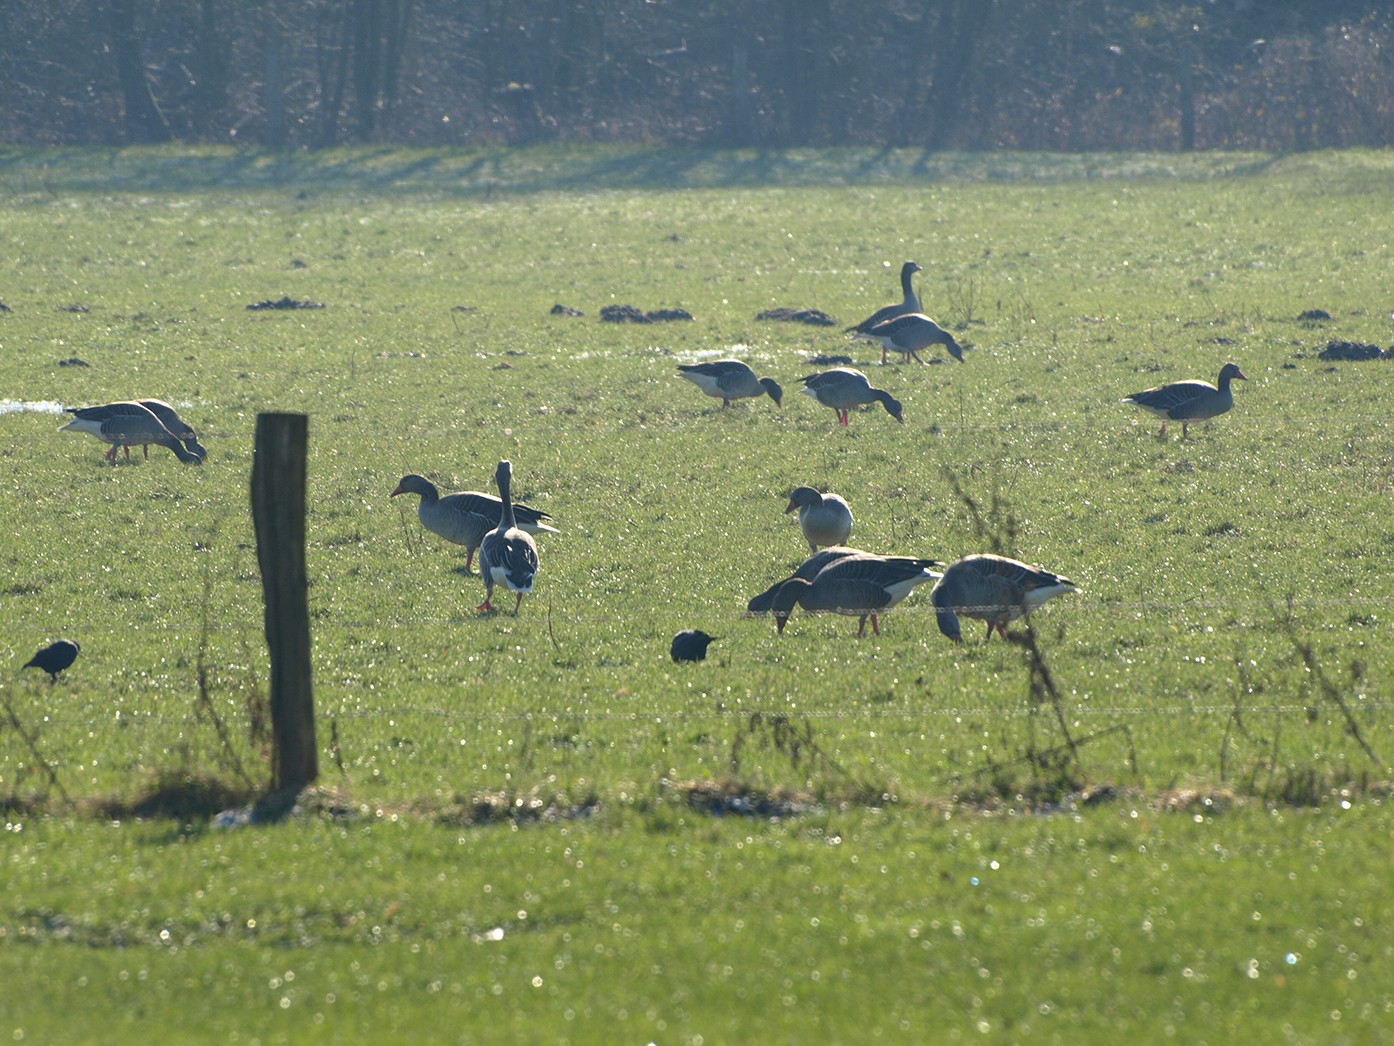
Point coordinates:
[(54, 658), (691, 645)]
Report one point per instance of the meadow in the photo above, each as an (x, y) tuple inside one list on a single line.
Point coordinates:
[(1162, 813)]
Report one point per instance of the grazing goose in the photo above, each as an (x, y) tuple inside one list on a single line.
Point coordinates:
[(54, 658), (180, 429), (825, 519), (691, 645), (465, 518), (994, 589), (1188, 401), (729, 380), (808, 570), (859, 586), (507, 555), (843, 388), (127, 424), (908, 333), (911, 302)]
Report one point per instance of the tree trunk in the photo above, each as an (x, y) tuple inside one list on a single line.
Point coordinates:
[(144, 122), (274, 100)]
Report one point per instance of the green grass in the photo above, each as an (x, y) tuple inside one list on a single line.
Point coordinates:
[(1231, 630)]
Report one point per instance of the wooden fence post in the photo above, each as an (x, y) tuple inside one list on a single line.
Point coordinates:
[(278, 512)]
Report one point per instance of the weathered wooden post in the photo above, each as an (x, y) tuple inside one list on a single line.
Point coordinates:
[(278, 512)]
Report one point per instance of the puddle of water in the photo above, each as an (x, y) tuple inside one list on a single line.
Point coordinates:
[(38, 406)]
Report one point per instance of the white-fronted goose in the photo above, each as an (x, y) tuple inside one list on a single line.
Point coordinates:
[(1188, 401), (908, 333), (54, 658), (910, 302), (127, 424), (843, 388), (507, 555), (861, 586), (729, 380), (691, 645), (464, 518), (994, 589), (825, 519), (808, 570)]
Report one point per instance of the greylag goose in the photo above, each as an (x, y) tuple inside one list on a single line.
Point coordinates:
[(910, 303), (507, 555), (994, 589), (729, 380), (843, 388), (908, 333), (180, 429), (691, 645), (127, 424), (861, 586), (54, 658), (168, 416), (464, 518), (808, 570), (825, 519), (1188, 401)]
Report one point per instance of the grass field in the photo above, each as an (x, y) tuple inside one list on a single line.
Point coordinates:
[(538, 828)]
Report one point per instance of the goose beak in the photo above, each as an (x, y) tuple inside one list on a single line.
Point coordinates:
[(780, 620), (397, 490), (791, 507)]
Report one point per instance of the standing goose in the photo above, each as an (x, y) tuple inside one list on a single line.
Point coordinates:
[(825, 519), (465, 518), (909, 333), (808, 570), (994, 589), (127, 424), (910, 303), (859, 586), (507, 555), (1188, 401), (729, 380), (843, 388)]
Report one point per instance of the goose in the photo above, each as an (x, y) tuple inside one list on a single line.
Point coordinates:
[(181, 429), (1188, 401), (507, 555), (691, 645), (908, 333), (168, 416), (729, 380), (127, 424), (825, 519), (994, 589), (911, 302), (808, 570), (843, 388), (54, 658), (861, 586), (464, 518)]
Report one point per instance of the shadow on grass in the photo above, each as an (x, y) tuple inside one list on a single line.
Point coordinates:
[(483, 172)]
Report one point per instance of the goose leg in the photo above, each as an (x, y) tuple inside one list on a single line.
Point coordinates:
[(518, 604), (916, 355), (488, 595), (883, 355), (1163, 432), (146, 447), (469, 559), (989, 632), (1185, 430), (861, 631), (875, 628)]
